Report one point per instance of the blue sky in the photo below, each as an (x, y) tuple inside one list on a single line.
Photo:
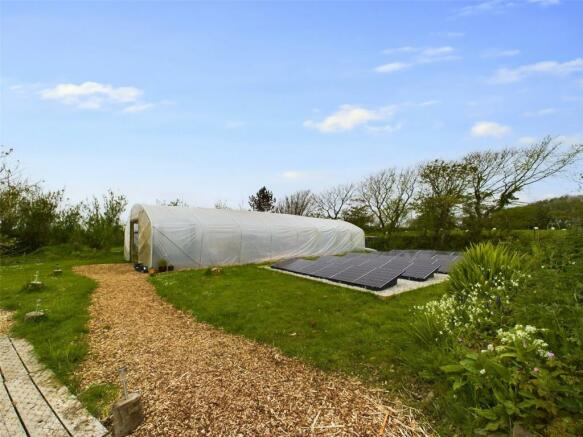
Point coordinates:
[(210, 101)]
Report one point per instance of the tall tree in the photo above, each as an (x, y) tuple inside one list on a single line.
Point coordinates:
[(358, 215), (298, 203), (332, 202), (496, 177), (263, 200), (441, 195), (388, 194)]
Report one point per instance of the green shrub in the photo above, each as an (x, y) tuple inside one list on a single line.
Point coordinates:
[(481, 266), (518, 380)]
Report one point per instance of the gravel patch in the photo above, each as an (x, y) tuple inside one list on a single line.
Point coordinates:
[(198, 380)]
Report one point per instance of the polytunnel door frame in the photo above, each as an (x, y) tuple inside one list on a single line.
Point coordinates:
[(134, 251)]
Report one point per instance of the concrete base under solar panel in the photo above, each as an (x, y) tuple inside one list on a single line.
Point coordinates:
[(402, 286)]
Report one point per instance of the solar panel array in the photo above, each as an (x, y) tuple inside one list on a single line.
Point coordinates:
[(376, 270)]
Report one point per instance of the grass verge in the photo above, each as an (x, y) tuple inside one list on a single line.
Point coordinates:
[(59, 339)]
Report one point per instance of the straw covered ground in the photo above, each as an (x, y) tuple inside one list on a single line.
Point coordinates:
[(198, 380)]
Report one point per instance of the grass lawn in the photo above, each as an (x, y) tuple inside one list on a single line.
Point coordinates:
[(331, 327), (59, 339)]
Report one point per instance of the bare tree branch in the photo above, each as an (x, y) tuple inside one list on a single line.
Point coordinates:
[(298, 203), (387, 194), (332, 202)]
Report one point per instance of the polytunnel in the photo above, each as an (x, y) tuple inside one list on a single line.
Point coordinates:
[(199, 237)]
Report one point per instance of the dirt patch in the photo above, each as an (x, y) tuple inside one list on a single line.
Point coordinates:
[(198, 380), (5, 321)]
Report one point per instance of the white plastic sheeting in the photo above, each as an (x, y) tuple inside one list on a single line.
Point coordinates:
[(199, 237)]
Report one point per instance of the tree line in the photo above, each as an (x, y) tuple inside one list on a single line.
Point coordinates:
[(32, 217), (435, 196)]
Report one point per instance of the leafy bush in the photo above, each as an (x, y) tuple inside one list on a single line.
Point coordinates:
[(514, 339), (481, 266), (481, 289), (518, 380)]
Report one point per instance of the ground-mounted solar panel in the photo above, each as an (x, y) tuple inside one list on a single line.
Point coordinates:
[(424, 255), (351, 274), (375, 271), (318, 264), (446, 263), (298, 266), (379, 279), (419, 271), (332, 269), (283, 265), (398, 263), (375, 262)]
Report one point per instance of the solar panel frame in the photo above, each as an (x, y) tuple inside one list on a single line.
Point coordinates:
[(419, 272), (378, 279), (350, 274), (319, 264)]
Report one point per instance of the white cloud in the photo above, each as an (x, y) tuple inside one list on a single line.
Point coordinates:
[(489, 129), (138, 107), (404, 49), (235, 124), (429, 103), (540, 112), (570, 139), (499, 6), (509, 75), (391, 67), (545, 2), (437, 51), (349, 117), (527, 141), (95, 95), (419, 55), (387, 129), (498, 53), (567, 140), (294, 175)]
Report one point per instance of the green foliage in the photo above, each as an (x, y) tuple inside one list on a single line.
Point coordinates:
[(59, 338), (32, 217), (443, 186), (517, 379), (560, 212), (358, 215), (97, 398), (481, 264), (103, 228), (518, 359), (263, 200)]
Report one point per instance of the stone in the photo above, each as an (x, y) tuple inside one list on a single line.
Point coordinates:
[(34, 285), (127, 415), (34, 316)]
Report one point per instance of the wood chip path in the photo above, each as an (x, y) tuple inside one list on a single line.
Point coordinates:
[(198, 380)]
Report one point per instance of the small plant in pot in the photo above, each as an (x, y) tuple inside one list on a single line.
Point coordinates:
[(162, 265)]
